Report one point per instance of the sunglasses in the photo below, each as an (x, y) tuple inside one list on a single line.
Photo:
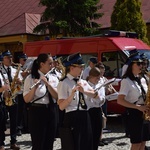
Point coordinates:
[(139, 63), (145, 64)]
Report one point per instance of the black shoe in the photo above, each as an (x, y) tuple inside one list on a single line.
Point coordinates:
[(15, 147), (101, 143), (105, 142), (19, 133), (146, 148)]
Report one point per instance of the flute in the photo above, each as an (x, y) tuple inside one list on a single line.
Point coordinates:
[(39, 80), (81, 76)]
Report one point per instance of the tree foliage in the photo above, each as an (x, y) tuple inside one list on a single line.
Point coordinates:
[(127, 16), (70, 17)]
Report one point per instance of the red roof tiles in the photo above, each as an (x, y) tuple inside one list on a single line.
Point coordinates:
[(21, 16)]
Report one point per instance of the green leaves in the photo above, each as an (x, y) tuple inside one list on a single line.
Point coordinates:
[(127, 16), (70, 17)]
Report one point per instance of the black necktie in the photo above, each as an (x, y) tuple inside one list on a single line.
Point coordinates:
[(49, 94), (142, 89), (81, 97), (9, 74)]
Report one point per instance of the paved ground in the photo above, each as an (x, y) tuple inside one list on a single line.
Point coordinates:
[(116, 138)]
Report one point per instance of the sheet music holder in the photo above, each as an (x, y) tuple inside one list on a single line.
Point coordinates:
[(106, 83), (111, 97)]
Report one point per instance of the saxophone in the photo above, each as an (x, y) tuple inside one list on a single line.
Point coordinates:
[(147, 101), (14, 89)]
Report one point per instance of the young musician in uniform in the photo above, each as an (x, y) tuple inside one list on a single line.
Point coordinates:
[(21, 111), (10, 73), (72, 96), (42, 98), (91, 63), (107, 90), (132, 96), (56, 68), (94, 105), (3, 88)]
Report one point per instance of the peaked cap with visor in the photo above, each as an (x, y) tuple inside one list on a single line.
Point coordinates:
[(73, 60)]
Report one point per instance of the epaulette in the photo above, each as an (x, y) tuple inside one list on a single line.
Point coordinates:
[(63, 78)]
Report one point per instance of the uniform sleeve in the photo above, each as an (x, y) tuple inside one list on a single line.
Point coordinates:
[(55, 82), (85, 74), (124, 88), (88, 87), (62, 90), (2, 80), (27, 84)]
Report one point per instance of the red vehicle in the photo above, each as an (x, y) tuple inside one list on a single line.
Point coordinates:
[(111, 50)]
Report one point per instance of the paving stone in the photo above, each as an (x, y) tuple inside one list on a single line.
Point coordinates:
[(116, 138)]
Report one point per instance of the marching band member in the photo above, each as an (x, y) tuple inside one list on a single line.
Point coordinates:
[(10, 73), (56, 69), (94, 105), (21, 103), (3, 116), (72, 96), (132, 96), (22, 60), (91, 63), (108, 89), (42, 98)]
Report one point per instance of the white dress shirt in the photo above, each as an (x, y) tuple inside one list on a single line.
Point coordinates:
[(132, 91), (41, 90), (65, 89)]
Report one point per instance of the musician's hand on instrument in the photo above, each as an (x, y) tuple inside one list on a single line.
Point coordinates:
[(43, 78), (6, 87), (74, 89), (18, 81), (35, 81), (6, 93), (6, 81), (80, 88), (24, 74), (143, 108)]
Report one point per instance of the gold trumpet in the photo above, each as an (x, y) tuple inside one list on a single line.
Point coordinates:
[(61, 67), (15, 64)]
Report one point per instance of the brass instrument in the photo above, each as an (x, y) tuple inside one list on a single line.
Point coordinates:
[(15, 65), (14, 89), (61, 67), (147, 101), (8, 102)]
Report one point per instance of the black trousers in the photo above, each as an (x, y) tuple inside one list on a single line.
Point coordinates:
[(13, 122), (42, 126), (21, 112), (80, 126), (96, 122), (2, 124)]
